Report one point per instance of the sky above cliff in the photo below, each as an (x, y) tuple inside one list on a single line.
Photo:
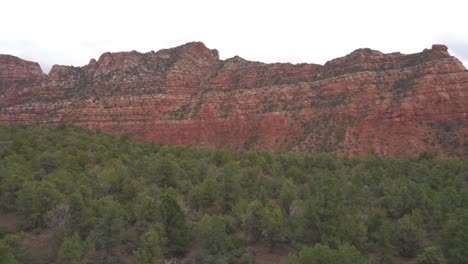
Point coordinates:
[(72, 32)]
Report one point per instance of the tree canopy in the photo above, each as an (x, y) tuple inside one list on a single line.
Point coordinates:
[(112, 200)]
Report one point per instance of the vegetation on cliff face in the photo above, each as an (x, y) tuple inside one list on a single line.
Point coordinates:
[(109, 200)]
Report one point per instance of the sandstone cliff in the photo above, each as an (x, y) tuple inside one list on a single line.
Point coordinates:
[(393, 104)]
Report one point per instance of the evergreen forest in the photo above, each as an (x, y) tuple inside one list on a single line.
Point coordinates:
[(71, 196)]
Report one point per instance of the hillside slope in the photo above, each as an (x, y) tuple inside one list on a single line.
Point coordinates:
[(392, 104)]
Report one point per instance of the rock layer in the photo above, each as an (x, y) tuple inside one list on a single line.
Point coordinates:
[(391, 104)]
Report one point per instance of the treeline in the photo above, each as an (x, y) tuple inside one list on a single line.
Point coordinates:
[(112, 200)]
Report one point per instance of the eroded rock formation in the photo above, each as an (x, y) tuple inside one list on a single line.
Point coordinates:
[(392, 104)]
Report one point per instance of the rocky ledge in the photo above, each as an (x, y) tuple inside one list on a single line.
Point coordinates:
[(367, 101)]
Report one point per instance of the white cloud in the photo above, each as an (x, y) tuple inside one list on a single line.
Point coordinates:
[(72, 32), (458, 46)]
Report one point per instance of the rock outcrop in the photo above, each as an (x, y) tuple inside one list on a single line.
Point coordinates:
[(391, 104)]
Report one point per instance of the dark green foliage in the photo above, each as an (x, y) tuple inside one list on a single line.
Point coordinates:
[(320, 254), (410, 237), (34, 200), (252, 220), (166, 172), (150, 251), (72, 250), (431, 255), (144, 211), (13, 250), (212, 233), (176, 231), (112, 199), (454, 238), (80, 214), (296, 174), (207, 259), (7, 256), (109, 223), (287, 195), (387, 243), (204, 194), (48, 162), (274, 224)]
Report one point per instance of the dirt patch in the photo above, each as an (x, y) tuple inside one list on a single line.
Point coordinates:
[(403, 260), (42, 242), (8, 221), (264, 254)]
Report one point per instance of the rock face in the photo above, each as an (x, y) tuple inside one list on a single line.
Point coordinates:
[(391, 104)]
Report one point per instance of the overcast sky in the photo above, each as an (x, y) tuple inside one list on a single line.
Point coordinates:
[(72, 32)]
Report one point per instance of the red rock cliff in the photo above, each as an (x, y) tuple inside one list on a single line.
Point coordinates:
[(393, 104)]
